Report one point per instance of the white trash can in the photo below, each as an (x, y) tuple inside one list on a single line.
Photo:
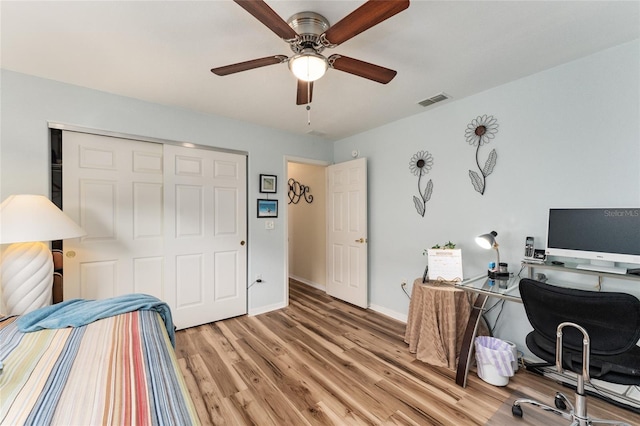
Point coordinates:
[(495, 360)]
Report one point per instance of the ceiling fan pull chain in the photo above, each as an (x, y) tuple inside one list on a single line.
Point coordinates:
[(309, 106)]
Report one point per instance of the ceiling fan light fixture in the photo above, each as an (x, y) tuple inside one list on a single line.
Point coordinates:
[(308, 65)]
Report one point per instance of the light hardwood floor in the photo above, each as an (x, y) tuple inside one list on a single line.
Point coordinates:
[(321, 361)]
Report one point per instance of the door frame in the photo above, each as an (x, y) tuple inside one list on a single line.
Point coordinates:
[(301, 160), (100, 132)]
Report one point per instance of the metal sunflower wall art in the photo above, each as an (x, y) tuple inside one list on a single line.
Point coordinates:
[(479, 132), (420, 164)]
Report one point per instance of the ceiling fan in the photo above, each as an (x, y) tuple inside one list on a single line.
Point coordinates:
[(309, 33)]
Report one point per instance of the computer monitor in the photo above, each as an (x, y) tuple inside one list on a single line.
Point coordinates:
[(604, 236)]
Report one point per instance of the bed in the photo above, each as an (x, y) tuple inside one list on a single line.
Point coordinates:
[(119, 369)]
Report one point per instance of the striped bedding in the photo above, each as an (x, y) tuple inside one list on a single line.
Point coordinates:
[(120, 370)]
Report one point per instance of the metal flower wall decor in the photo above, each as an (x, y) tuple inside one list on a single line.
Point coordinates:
[(480, 132), (420, 164)]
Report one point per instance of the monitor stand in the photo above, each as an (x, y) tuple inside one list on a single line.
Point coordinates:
[(602, 266)]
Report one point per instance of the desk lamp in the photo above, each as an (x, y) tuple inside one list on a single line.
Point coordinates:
[(488, 241), (26, 266)]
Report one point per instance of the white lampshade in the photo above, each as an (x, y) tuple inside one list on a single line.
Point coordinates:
[(26, 266), (25, 218), (308, 65), (487, 241)]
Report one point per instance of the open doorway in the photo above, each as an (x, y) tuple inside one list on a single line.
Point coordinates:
[(334, 221), (306, 222)]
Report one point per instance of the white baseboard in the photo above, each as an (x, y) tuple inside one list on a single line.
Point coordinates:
[(380, 309), (284, 304), (265, 309), (309, 283), (392, 314)]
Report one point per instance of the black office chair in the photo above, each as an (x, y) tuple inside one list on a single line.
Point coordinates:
[(597, 332)]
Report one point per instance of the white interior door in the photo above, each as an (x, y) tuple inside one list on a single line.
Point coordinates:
[(113, 188), (206, 227), (160, 219), (347, 248)]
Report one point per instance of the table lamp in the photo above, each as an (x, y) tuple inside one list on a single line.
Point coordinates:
[(26, 266), (488, 241)]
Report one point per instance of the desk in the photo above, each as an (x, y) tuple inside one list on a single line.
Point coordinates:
[(442, 323)]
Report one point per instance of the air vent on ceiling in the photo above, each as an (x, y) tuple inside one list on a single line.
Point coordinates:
[(316, 133), (432, 100)]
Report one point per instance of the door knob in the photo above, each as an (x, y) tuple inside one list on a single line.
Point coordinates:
[(361, 240), (242, 243), (71, 253)]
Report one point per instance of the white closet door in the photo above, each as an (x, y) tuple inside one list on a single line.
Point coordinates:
[(205, 239), (160, 219), (113, 188)]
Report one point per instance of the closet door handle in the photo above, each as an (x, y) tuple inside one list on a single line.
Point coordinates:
[(242, 243)]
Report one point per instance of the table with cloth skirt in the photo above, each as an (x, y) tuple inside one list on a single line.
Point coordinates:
[(438, 317)]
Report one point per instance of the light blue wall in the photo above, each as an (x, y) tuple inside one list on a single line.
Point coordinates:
[(27, 103), (568, 136)]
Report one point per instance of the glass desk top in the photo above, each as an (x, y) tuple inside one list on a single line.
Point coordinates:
[(506, 288)]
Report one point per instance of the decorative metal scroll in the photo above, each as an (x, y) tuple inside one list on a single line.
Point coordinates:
[(298, 191), (419, 165), (479, 132)]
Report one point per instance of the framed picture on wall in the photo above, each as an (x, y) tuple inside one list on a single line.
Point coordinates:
[(267, 208), (268, 184)]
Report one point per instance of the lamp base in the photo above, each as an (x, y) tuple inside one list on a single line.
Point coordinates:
[(26, 273), (497, 275)]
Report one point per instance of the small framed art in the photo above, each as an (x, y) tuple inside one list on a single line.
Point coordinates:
[(267, 208), (268, 184)]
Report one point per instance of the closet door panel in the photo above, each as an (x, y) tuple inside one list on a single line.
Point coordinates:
[(147, 210), (205, 210), (99, 278), (113, 188), (161, 219)]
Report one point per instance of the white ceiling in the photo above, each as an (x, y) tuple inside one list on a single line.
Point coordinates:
[(162, 51)]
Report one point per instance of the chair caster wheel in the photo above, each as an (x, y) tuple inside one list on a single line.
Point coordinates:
[(516, 410), (560, 405)]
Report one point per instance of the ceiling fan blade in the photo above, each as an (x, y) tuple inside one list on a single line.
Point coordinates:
[(366, 16), (362, 69), (249, 65), (263, 13), (305, 92)]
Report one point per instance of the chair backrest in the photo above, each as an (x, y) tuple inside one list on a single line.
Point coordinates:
[(611, 319)]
